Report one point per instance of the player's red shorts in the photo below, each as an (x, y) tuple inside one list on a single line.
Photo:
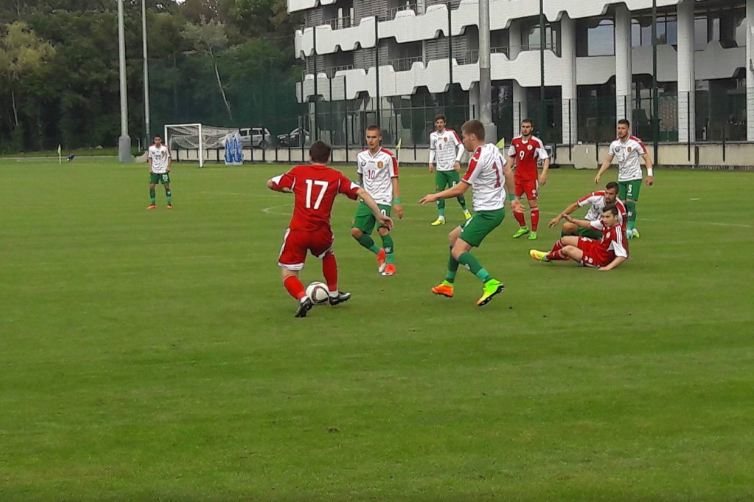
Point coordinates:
[(594, 254), (297, 243), (528, 187)]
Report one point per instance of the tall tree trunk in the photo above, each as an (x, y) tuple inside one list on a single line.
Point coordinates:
[(220, 84), (15, 110)]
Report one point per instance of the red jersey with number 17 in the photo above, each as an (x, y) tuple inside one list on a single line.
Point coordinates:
[(314, 188)]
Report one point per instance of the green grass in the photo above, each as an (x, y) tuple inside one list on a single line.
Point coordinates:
[(153, 355)]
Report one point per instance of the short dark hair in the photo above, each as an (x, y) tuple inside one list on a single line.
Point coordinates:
[(473, 127), (625, 121), (319, 152), (156, 136), (611, 208), (528, 121), (440, 116), (374, 128), (611, 185)]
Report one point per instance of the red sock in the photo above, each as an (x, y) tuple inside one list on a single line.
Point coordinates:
[(534, 218), (554, 254), (294, 287), (520, 219), (330, 271)]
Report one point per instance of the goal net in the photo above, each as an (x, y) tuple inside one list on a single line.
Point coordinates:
[(196, 137)]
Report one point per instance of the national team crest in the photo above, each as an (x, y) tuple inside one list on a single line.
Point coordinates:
[(445, 139), (629, 149), (380, 165), (529, 147)]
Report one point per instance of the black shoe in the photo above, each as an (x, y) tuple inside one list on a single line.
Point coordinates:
[(342, 297), (304, 308)]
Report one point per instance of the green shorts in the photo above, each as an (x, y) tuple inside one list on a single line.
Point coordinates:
[(482, 223), (592, 233), (155, 178), (629, 190), (446, 179), (364, 220)]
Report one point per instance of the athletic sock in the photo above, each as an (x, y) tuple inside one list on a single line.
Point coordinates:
[(169, 196), (534, 218), (330, 271), (294, 287), (389, 247), (631, 213), (452, 268), (441, 208), (462, 202), (152, 196), (554, 254), (474, 266), (520, 219), (367, 241)]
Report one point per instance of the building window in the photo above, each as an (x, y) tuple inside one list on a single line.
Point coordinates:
[(667, 29), (595, 37), (727, 26), (531, 39)]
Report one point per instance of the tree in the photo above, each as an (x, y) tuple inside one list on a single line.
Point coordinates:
[(22, 53), (209, 38)]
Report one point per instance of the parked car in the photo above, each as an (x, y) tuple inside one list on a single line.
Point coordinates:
[(294, 138), (255, 136)]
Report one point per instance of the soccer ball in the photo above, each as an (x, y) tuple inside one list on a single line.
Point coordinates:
[(317, 292)]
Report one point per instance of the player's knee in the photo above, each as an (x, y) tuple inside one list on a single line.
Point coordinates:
[(383, 231), (356, 233), (533, 203)]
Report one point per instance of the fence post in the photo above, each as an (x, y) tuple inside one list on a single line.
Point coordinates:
[(345, 104), (570, 130), (688, 126), (724, 143)]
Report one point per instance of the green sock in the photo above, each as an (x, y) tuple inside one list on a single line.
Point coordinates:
[(169, 196), (474, 266), (389, 247), (151, 196), (462, 202), (631, 210), (441, 208), (452, 269), (368, 243)]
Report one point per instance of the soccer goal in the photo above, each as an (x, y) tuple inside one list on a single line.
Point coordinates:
[(196, 137)]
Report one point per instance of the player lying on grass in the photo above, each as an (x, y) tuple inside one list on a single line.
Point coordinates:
[(314, 187), (377, 169), (487, 173), (596, 202), (604, 254)]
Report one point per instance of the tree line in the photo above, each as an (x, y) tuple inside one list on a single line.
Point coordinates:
[(218, 62)]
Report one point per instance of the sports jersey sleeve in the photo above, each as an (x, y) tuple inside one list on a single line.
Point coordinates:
[(512, 150), (348, 187), (286, 180), (459, 147), (641, 148), (359, 166), (542, 151), (393, 166), (472, 173), (596, 224), (588, 200), (617, 244), (432, 143)]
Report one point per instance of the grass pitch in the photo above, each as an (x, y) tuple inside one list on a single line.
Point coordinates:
[(153, 355)]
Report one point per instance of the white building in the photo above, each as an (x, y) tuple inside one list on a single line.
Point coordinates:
[(598, 66)]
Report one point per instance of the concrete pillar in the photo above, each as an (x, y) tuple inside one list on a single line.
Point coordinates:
[(686, 73), (568, 91), (749, 70), (474, 100), (520, 109), (623, 63)]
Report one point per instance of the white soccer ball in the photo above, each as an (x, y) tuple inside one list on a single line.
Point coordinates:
[(317, 292)]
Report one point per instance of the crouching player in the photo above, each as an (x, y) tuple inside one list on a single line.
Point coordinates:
[(314, 187), (596, 202), (604, 254)]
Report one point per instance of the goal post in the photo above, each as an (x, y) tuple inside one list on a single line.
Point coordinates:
[(197, 137)]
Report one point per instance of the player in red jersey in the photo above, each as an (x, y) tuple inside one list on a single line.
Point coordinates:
[(604, 254), (596, 202), (526, 150), (314, 187)]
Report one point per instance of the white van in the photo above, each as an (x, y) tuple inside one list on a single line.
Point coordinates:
[(255, 136)]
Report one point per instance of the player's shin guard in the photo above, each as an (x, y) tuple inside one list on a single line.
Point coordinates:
[(631, 213), (534, 218), (330, 271), (520, 219), (452, 268), (389, 247), (441, 207), (368, 243), (169, 196), (295, 287), (462, 202), (152, 196), (554, 254), (474, 266)]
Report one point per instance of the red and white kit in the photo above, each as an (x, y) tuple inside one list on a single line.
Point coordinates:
[(596, 201), (526, 153), (601, 253), (314, 188)]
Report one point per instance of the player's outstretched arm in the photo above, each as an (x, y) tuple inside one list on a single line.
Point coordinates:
[(570, 209), (604, 167), (454, 191), (617, 261), (372, 205), (580, 223), (650, 173)]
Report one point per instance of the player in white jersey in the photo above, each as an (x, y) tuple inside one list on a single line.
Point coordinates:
[(628, 150), (445, 154), (159, 160), (596, 201), (490, 180), (377, 169)]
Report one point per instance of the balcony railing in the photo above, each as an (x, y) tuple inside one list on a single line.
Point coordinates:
[(391, 13), (332, 70), (472, 56), (405, 64)]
